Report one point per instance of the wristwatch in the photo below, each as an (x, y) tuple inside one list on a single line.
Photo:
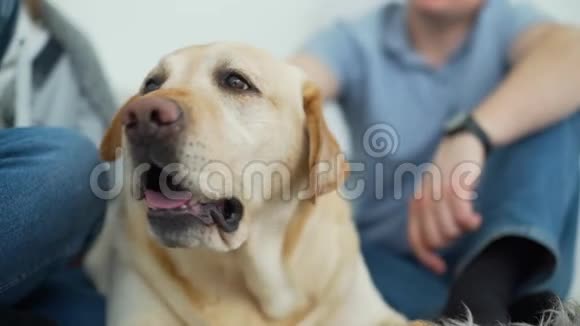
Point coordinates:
[(465, 123)]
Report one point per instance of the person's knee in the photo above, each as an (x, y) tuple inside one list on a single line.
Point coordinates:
[(52, 166), (65, 146), (53, 212), (523, 170), (55, 171), (66, 158), (68, 162)]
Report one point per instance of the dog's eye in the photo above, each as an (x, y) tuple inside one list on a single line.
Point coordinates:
[(151, 84), (237, 82)]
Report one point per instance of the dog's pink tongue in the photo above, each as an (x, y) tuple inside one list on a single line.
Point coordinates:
[(157, 200)]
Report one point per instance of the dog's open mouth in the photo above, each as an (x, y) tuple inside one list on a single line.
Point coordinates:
[(171, 203)]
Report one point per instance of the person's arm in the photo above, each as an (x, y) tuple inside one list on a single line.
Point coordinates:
[(332, 59), (319, 73), (542, 87)]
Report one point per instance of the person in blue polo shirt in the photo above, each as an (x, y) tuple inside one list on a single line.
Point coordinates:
[(488, 92)]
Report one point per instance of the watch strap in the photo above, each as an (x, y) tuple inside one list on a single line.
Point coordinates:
[(471, 126)]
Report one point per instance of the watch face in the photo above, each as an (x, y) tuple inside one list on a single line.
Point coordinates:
[(456, 121)]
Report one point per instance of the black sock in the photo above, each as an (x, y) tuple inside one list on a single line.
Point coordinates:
[(487, 285), (15, 317), (530, 309)]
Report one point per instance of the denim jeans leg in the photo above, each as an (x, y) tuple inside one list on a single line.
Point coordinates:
[(48, 210), (529, 189)]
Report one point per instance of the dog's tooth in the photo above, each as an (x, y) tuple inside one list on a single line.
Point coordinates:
[(183, 206)]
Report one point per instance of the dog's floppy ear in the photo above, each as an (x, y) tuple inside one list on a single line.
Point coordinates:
[(112, 140), (111, 143), (327, 166)]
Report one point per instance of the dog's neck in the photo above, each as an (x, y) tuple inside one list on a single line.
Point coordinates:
[(263, 258), (258, 267)]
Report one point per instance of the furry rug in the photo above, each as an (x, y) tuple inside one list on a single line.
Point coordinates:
[(566, 315)]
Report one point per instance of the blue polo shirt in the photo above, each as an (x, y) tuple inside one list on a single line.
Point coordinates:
[(396, 105)]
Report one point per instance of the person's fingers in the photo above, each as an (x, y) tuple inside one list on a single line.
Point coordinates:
[(423, 253), (429, 229), (471, 223), (432, 261), (464, 214), (430, 214), (446, 222), (459, 206), (413, 224), (425, 256)]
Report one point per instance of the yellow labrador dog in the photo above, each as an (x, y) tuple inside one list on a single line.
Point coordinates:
[(229, 214)]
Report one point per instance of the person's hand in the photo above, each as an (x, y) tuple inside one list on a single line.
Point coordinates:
[(443, 211)]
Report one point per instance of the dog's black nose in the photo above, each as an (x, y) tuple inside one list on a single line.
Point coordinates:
[(151, 118)]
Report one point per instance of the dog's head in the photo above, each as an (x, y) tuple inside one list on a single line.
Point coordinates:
[(215, 132)]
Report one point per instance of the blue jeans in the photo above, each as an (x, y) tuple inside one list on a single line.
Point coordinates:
[(528, 189), (48, 217)]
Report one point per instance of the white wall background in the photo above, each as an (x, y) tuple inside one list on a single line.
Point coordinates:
[(131, 35)]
